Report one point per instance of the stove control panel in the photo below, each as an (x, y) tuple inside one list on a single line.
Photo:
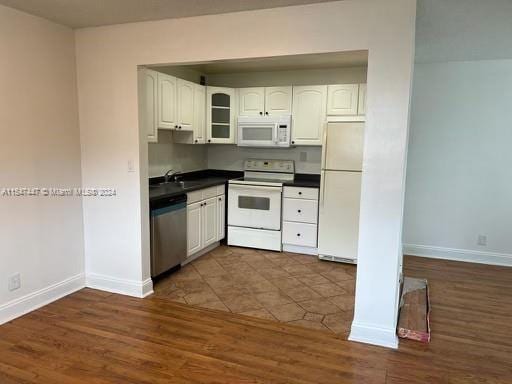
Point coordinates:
[(280, 166)]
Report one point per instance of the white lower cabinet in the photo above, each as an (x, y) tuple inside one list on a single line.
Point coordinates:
[(300, 220), (205, 218)]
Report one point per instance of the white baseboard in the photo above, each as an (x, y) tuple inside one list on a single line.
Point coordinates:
[(122, 286), (32, 301), (299, 249), (455, 254), (368, 334), (196, 255)]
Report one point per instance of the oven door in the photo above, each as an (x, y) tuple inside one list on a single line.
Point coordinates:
[(257, 134), (254, 206)]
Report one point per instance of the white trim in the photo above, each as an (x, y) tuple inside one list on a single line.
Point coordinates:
[(32, 301), (200, 253), (345, 119), (300, 249), (465, 255), (370, 334), (133, 288)]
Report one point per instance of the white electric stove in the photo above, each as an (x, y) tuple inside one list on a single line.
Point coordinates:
[(254, 204)]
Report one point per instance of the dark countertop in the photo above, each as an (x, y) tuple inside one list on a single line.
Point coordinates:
[(193, 181), (304, 180)]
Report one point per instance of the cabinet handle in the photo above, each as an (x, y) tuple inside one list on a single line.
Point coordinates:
[(175, 127), (209, 141), (266, 113), (220, 198), (298, 234), (195, 141), (261, 113), (298, 210), (293, 142), (300, 193)]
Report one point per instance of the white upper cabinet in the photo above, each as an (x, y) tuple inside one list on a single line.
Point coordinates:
[(361, 108), (260, 101), (309, 107), (148, 84), (199, 114), (251, 101), (220, 115), (342, 99), (278, 100), (185, 104), (166, 101)]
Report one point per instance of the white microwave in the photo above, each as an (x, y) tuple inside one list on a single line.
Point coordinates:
[(264, 131)]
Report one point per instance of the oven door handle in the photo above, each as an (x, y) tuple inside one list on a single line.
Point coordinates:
[(276, 130), (255, 187)]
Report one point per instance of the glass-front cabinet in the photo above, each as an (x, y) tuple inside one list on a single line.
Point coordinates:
[(220, 124)]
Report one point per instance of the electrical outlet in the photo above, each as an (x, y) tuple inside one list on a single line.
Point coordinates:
[(14, 282), (482, 240), (303, 156)]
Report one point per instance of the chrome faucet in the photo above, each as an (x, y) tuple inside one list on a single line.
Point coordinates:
[(170, 173)]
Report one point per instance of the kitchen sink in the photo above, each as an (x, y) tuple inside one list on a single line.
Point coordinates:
[(184, 184)]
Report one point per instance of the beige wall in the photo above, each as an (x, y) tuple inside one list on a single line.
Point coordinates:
[(166, 155), (348, 75), (41, 237), (116, 232)]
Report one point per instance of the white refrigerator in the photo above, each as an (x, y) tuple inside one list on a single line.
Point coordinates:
[(340, 191)]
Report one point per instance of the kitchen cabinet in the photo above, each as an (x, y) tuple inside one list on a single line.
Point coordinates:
[(198, 133), (206, 218), (221, 215), (167, 101), (220, 118), (260, 101), (342, 99), (194, 228), (148, 95), (300, 220), (308, 114), (361, 105), (185, 105), (251, 101)]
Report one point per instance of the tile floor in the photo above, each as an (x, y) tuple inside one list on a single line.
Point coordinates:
[(286, 287)]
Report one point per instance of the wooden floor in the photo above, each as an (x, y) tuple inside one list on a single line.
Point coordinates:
[(94, 337)]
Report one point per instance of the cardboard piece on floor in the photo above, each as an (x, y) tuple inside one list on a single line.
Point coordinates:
[(414, 321)]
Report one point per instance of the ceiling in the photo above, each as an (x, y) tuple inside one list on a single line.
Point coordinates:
[(90, 13), (282, 63)]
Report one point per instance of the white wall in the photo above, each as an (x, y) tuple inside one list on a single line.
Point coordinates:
[(116, 240), (41, 237), (458, 184)]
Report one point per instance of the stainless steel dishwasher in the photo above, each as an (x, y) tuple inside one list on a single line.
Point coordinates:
[(168, 234)]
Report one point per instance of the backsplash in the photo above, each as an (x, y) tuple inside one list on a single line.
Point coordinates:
[(166, 155), (231, 157)]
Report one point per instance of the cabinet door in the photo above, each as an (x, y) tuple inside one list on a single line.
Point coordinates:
[(278, 100), (166, 101), (221, 217), (309, 106), (194, 228), (185, 103), (209, 217), (220, 117), (199, 125), (361, 107), (342, 99), (148, 88), (251, 101)]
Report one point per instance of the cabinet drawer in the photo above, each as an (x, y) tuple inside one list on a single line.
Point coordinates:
[(209, 192), (301, 193), (301, 210), (221, 189), (194, 197), (299, 234)]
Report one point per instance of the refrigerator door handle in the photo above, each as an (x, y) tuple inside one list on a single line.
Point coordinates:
[(324, 146)]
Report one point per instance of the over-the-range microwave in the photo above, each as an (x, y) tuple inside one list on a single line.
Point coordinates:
[(264, 131)]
